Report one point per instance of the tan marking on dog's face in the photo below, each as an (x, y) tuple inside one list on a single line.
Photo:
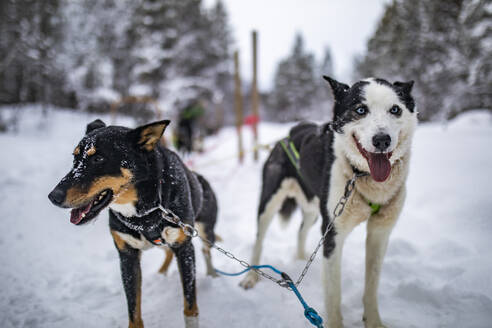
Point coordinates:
[(77, 196), (119, 242), (91, 151), (129, 195), (76, 151), (190, 310)]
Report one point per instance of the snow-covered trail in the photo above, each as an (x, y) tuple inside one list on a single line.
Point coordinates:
[(437, 272)]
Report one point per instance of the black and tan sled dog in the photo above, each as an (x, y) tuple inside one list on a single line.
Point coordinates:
[(129, 171)]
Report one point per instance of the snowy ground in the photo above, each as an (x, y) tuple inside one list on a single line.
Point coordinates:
[(437, 272)]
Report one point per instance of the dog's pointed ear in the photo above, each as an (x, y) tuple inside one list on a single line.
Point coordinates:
[(404, 87), (96, 124), (147, 136), (404, 90), (339, 89)]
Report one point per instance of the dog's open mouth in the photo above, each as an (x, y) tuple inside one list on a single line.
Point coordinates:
[(89, 211), (379, 163)]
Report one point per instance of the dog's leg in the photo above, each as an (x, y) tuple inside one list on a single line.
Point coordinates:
[(376, 243), (274, 191), (264, 221), (356, 211), (332, 283), (167, 261), (308, 219), (208, 260), (332, 252), (205, 223), (131, 276), (379, 228), (185, 256), (207, 232)]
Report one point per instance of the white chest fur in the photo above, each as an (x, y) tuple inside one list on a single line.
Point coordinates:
[(138, 243), (127, 210)]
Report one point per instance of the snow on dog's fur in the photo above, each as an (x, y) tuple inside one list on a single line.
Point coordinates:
[(371, 132), (132, 174)]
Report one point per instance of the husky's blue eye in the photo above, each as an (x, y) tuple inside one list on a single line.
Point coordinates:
[(395, 110), (361, 110)]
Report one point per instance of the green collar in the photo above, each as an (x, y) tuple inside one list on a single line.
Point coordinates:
[(374, 207)]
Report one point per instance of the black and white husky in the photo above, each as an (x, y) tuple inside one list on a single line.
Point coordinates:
[(371, 132)]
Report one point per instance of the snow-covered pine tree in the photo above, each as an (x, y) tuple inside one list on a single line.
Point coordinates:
[(89, 53), (182, 52), (95, 50), (219, 66), (324, 97), (219, 48), (30, 34), (154, 23), (10, 66), (475, 86), (295, 85), (441, 46)]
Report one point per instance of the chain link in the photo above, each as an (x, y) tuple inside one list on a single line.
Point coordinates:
[(339, 208), (192, 232)]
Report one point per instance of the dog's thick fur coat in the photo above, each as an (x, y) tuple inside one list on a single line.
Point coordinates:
[(371, 132), (129, 171)]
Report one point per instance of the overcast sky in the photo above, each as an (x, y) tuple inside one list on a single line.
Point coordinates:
[(343, 25)]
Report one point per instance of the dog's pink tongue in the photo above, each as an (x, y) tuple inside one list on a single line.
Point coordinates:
[(380, 166), (76, 213)]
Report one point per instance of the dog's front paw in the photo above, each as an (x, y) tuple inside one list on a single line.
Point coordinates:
[(250, 280), (377, 325), (191, 322), (372, 322)]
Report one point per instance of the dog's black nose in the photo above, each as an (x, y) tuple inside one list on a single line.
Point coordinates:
[(57, 196), (381, 141)]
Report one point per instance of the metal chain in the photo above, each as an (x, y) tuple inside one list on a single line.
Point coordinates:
[(280, 282), (192, 232), (339, 208)]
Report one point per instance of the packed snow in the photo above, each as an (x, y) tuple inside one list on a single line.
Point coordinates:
[(437, 272)]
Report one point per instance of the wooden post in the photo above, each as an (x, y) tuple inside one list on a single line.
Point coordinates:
[(239, 105), (254, 97), (219, 115)]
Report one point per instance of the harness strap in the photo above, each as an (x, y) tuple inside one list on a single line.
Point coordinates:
[(292, 153), (150, 226), (149, 223)]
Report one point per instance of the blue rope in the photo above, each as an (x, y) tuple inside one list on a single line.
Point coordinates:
[(247, 269), (309, 312)]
